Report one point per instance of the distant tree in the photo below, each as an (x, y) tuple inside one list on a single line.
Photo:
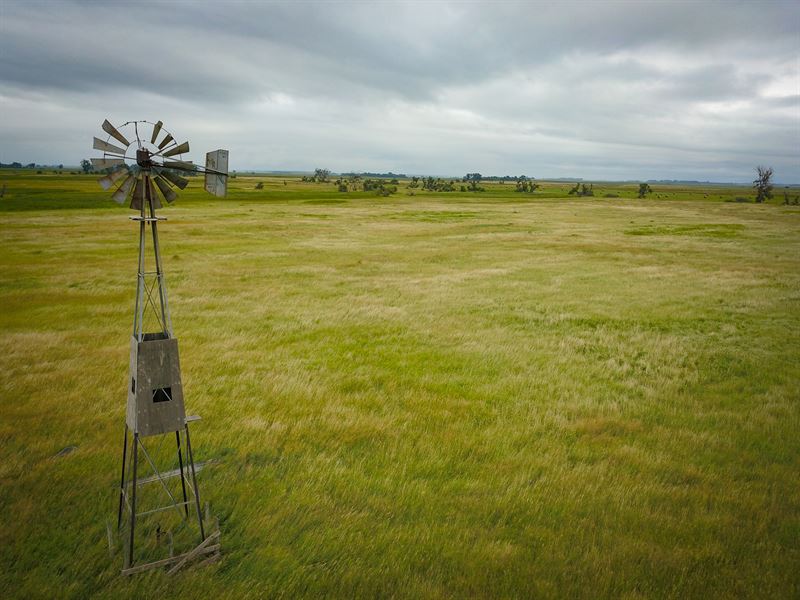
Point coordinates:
[(474, 180), (260, 185), (763, 184), (790, 201), (581, 189), (440, 185), (644, 189), (525, 185), (86, 165), (379, 187), (341, 184), (322, 175), (354, 182)]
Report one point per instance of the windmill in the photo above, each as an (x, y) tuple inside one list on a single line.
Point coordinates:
[(147, 171)]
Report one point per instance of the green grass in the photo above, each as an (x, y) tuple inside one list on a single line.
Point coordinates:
[(701, 229), (445, 395)]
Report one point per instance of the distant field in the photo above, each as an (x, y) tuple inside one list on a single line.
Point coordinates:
[(443, 395)]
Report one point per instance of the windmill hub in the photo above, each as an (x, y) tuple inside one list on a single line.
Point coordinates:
[(143, 159)]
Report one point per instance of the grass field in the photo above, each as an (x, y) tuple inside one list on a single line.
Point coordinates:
[(441, 396)]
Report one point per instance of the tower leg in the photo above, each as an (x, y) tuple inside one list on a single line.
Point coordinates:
[(180, 466), (122, 477), (133, 498), (190, 458)]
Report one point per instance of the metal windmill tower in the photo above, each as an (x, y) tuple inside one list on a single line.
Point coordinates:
[(155, 407)]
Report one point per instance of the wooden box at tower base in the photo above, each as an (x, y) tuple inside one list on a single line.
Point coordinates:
[(155, 396)]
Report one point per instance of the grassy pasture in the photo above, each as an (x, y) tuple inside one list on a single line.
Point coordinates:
[(447, 395)]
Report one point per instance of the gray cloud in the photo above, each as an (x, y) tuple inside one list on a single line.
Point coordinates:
[(600, 90)]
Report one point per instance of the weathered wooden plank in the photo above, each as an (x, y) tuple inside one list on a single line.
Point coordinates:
[(167, 561), (211, 559), (196, 552)]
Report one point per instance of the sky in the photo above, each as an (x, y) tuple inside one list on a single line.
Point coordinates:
[(598, 90)]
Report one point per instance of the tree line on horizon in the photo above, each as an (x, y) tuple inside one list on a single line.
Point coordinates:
[(376, 182), (352, 182)]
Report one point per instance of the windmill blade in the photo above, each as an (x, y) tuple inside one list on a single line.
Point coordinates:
[(184, 147), (137, 199), (141, 193), (104, 163), (164, 188), (155, 199), (166, 141), (112, 131), (118, 173), (156, 130), (106, 147), (174, 179), (122, 192), (181, 165)]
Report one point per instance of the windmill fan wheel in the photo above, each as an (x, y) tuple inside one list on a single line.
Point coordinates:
[(133, 163)]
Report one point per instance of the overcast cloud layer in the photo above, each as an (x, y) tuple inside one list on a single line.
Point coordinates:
[(599, 90)]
